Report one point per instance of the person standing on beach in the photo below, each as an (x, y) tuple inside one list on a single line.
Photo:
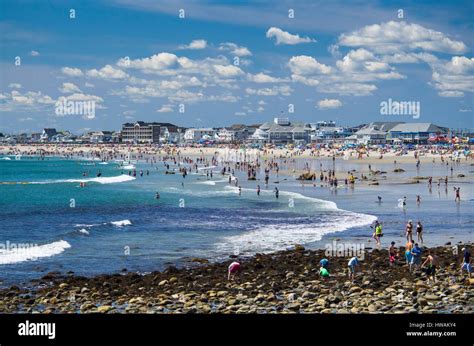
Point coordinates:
[(409, 231), (431, 269), (353, 262), (377, 232), (419, 232), (408, 255), (416, 256), (458, 194), (466, 263)]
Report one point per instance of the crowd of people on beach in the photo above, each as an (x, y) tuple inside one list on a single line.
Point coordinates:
[(270, 164), (413, 260)]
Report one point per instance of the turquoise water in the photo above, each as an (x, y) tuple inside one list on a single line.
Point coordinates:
[(115, 222)]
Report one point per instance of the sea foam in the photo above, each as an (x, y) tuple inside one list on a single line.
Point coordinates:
[(121, 223), (32, 253), (101, 180)]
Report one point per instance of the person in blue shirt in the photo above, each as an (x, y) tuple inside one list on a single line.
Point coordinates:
[(416, 256)]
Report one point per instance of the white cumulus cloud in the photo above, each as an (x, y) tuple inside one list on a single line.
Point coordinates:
[(72, 72), (329, 104), (284, 37), (195, 44)]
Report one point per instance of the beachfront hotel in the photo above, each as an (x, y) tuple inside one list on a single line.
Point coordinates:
[(142, 132)]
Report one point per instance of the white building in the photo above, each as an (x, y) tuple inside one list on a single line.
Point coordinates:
[(193, 135), (368, 136)]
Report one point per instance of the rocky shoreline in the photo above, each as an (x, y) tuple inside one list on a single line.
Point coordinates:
[(281, 282)]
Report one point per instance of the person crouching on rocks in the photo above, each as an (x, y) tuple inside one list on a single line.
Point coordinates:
[(392, 253), (234, 269), (353, 262), (323, 270)]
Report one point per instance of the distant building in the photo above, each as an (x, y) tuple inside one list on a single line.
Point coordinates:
[(235, 133), (170, 133), (282, 131), (142, 132), (384, 125), (101, 137), (368, 135), (415, 132), (48, 134), (328, 132), (194, 135), (35, 136), (324, 123)]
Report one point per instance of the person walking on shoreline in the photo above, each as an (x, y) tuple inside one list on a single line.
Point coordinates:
[(409, 231), (457, 190), (419, 232), (431, 269), (377, 233)]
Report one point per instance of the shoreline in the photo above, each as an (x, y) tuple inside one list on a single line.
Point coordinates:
[(113, 291), (281, 282)]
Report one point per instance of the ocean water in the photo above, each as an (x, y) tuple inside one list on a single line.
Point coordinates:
[(115, 221)]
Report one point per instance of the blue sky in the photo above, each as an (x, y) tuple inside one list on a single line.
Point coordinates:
[(137, 60)]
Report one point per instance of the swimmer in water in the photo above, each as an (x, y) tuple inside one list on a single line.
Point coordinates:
[(276, 192), (157, 195), (258, 190)]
